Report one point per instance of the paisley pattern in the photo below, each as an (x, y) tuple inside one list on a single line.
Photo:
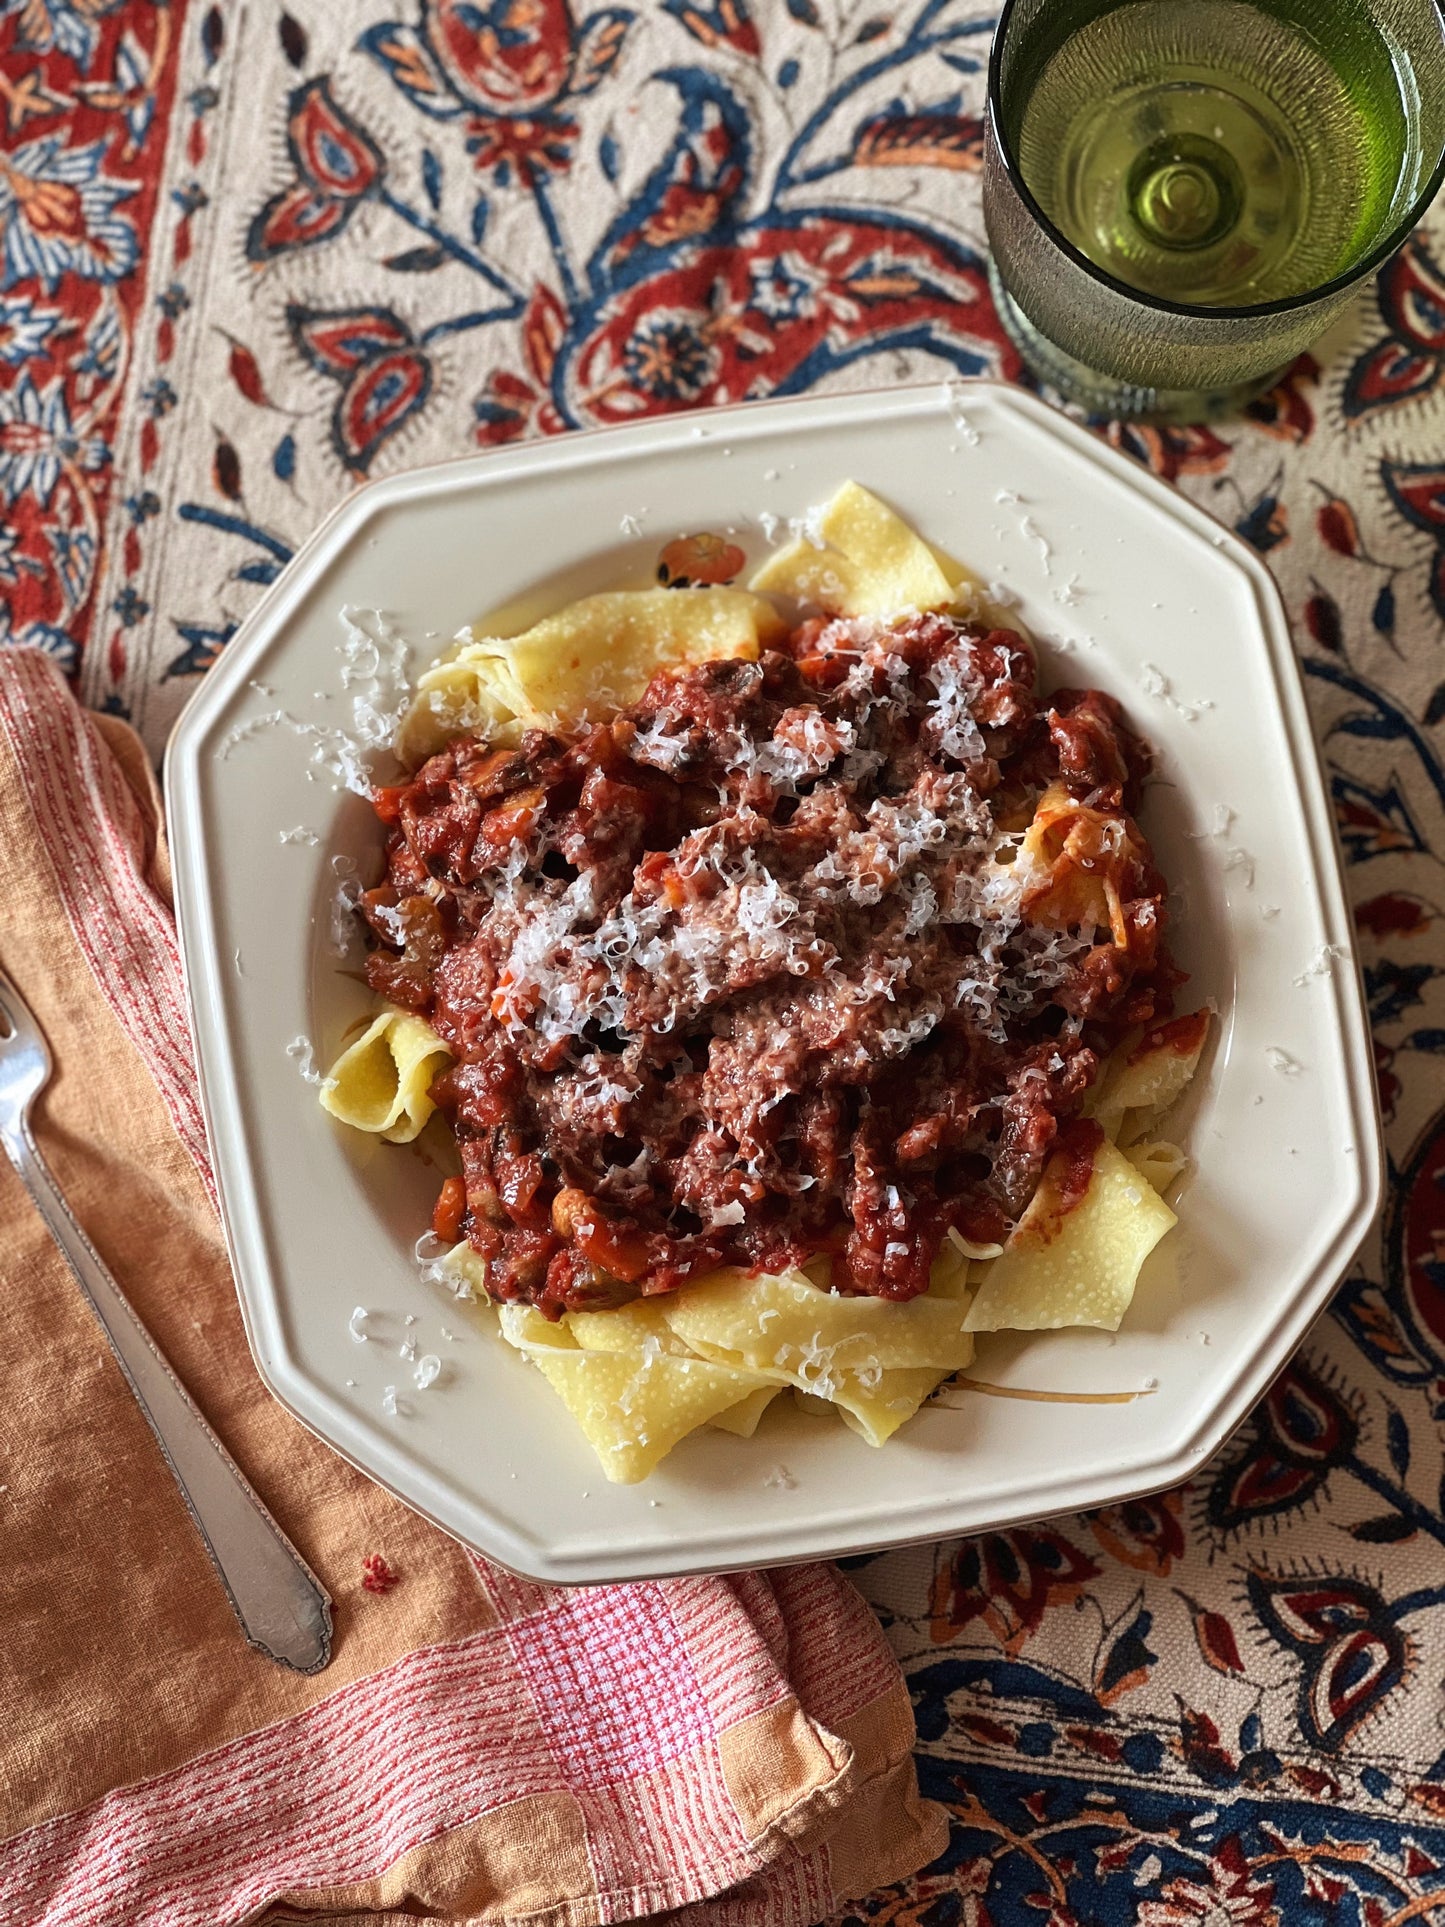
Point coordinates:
[(249, 256)]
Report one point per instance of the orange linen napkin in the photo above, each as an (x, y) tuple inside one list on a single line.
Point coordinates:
[(479, 1749)]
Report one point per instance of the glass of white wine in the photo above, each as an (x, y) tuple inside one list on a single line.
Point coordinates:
[(1181, 195)]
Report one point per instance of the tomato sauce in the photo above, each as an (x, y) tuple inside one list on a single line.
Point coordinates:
[(762, 967)]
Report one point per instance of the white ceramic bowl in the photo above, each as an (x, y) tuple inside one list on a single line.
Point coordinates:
[(1128, 587)]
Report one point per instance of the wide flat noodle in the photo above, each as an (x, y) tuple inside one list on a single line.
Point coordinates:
[(641, 1377), (875, 1412), (594, 656), (465, 695), (787, 1326), (632, 1406), (875, 1361), (1078, 1266), (463, 1272), (640, 1326), (950, 1275), (382, 1082), (743, 1418), (526, 1328), (1158, 1162), (873, 563), (1153, 1074)]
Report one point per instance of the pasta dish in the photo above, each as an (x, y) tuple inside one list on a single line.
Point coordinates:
[(790, 977)]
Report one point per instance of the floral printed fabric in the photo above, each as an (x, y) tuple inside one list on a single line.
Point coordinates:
[(252, 254)]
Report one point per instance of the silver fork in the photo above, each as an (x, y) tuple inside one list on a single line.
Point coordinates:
[(284, 1610)]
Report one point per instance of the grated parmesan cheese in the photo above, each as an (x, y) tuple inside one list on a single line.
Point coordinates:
[(1155, 683), (953, 394), (1321, 964), (1219, 824), (1031, 531), (809, 527), (300, 1050)]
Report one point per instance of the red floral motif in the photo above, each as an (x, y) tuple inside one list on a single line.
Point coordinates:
[(509, 64), (719, 23), (1410, 362), (1213, 1634), (1352, 1654), (533, 145), (930, 139), (80, 170), (1147, 1534), (707, 177), (728, 323), (1285, 410), (512, 407), (1009, 1580), (1395, 914), (384, 375), (1171, 451), (337, 164), (510, 56), (1339, 529), (1301, 1432), (329, 147), (1419, 1215), (1417, 490), (339, 342), (1230, 1896)]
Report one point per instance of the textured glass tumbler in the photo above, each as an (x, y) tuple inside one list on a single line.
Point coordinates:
[(1182, 195)]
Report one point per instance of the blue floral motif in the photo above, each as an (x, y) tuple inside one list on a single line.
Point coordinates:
[(25, 327), (132, 84), (786, 288), (669, 358), (73, 552), (69, 28), (57, 215), (101, 354), (36, 441)]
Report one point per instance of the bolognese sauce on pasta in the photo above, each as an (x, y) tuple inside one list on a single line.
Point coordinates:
[(816, 953), (790, 977)]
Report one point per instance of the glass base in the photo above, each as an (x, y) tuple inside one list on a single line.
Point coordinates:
[(1100, 394)]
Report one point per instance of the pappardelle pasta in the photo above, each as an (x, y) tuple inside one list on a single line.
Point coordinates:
[(792, 978)]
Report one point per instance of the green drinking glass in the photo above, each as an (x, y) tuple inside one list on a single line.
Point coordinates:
[(1182, 195)]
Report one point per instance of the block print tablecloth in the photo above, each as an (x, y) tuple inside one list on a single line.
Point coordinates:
[(252, 254)]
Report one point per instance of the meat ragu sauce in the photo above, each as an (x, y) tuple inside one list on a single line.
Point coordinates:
[(761, 968)]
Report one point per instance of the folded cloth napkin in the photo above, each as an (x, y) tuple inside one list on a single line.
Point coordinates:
[(480, 1748)]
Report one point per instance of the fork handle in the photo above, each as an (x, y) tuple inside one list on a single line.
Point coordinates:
[(284, 1610)]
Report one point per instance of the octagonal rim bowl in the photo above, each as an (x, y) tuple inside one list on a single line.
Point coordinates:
[(1127, 585)]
